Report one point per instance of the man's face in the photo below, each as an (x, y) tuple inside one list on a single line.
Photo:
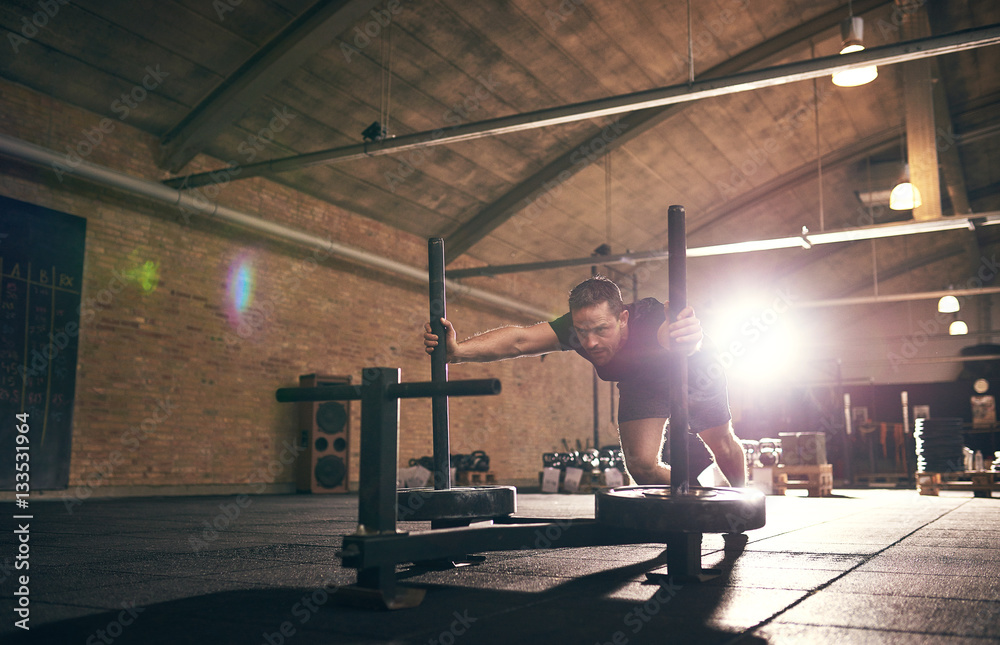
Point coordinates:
[(600, 332)]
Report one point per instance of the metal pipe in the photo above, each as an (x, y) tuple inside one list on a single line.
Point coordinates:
[(896, 297), (676, 242), (808, 240), (614, 105), (31, 153), (439, 364), (322, 393), (413, 390), (423, 389), (594, 390), (379, 462)]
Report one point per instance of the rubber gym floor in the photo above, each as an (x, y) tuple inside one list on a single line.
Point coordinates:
[(863, 566)]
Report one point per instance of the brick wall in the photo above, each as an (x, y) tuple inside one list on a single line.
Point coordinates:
[(173, 392)]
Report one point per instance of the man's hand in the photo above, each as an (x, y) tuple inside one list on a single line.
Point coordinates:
[(451, 339), (685, 334)]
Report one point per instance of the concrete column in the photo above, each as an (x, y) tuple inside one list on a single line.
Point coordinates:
[(918, 99)]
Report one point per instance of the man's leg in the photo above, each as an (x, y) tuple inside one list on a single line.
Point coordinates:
[(728, 453), (642, 442)]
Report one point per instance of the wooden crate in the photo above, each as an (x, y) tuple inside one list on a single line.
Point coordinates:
[(777, 485), (929, 483), (817, 479), (884, 480), (474, 477), (982, 484)]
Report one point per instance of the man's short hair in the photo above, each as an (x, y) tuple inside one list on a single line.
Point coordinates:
[(594, 291)]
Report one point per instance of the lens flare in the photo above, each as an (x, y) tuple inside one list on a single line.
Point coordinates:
[(240, 288), (243, 288), (755, 338), (146, 275)]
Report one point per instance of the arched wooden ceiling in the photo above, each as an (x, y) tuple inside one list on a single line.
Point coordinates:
[(245, 82)]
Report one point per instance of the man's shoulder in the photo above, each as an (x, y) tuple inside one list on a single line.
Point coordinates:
[(647, 308), (563, 327)]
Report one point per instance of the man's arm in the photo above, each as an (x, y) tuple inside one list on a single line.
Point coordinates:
[(495, 345)]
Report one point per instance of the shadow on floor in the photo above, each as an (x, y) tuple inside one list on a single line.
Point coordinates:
[(579, 610)]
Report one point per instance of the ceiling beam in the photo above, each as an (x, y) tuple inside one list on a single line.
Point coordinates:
[(918, 103), (985, 192), (896, 297), (308, 34), (632, 125), (622, 104), (806, 172), (853, 152), (806, 240), (952, 171), (859, 150), (911, 264), (947, 163)]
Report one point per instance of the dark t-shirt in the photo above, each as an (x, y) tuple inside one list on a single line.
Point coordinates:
[(640, 357), (640, 367)]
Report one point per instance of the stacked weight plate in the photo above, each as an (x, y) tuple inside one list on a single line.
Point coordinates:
[(939, 445)]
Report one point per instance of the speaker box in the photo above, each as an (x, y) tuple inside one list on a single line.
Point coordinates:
[(325, 427)]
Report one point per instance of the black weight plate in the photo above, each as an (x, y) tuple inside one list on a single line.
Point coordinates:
[(331, 417), (703, 510), (462, 503)]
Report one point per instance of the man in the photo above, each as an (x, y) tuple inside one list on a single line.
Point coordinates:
[(627, 344)]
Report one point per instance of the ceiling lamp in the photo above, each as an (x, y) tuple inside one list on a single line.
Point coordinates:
[(852, 30), (958, 328), (948, 305), (905, 195)]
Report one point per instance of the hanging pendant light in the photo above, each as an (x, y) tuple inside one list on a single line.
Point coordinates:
[(852, 32), (948, 305), (958, 328), (905, 195)]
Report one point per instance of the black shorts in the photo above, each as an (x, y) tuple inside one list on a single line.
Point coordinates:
[(708, 402)]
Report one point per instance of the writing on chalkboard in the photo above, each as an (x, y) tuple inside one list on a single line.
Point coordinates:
[(41, 273)]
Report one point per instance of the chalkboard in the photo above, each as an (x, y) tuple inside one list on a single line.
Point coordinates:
[(41, 273)]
